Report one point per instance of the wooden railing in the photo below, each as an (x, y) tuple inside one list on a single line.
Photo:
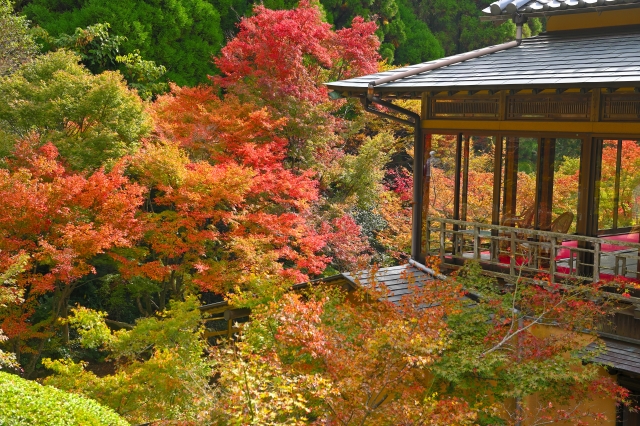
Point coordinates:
[(220, 319), (512, 253)]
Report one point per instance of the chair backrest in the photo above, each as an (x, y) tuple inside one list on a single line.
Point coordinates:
[(527, 217), (562, 223)]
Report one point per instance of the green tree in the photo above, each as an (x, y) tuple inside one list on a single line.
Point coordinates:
[(16, 44), (91, 119), (421, 44), (101, 51), (391, 27), (179, 34), (456, 25), (161, 371)]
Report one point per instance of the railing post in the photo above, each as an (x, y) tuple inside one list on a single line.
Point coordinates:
[(476, 243), (428, 236), (552, 260), (596, 261), (512, 258), (442, 239)]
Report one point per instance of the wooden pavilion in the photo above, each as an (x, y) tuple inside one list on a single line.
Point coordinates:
[(555, 122)]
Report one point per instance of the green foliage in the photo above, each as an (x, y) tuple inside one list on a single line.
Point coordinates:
[(456, 25), (9, 295), (179, 34), (395, 28), (97, 48), (360, 175), (91, 119), (142, 75), (101, 51), (16, 44), (90, 326), (28, 403), (161, 373), (421, 44)]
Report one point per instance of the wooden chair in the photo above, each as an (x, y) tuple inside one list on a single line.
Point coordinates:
[(523, 221), (562, 223)]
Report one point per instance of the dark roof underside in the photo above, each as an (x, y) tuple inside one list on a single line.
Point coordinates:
[(551, 60)]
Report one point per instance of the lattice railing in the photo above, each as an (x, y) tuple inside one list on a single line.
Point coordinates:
[(573, 107), (465, 108), (620, 107), (511, 253)]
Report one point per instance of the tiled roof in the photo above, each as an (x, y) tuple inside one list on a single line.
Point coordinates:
[(506, 8), (604, 58), (398, 279), (620, 355)]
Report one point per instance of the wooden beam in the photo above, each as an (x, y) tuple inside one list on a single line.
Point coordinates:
[(628, 129), (232, 314)]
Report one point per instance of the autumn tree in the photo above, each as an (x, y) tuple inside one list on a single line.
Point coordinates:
[(223, 208), (161, 373), (93, 120), (280, 58), (434, 357), (61, 220), (16, 44)]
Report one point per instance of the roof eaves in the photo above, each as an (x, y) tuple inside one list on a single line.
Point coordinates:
[(530, 9)]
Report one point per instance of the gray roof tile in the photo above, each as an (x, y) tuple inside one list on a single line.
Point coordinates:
[(619, 355), (502, 9), (546, 61)]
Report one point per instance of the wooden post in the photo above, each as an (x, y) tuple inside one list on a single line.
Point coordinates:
[(544, 190), (497, 187), (465, 178), (616, 190), (588, 201), (510, 178), (426, 177), (456, 193)]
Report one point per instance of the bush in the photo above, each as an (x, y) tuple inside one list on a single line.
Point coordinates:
[(23, 402)]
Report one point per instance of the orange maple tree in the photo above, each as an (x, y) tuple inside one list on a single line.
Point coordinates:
[(60, 220)]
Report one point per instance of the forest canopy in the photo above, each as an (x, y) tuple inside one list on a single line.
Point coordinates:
[(160, 162)]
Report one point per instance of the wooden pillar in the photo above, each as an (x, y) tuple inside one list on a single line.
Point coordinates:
[(420, 204), (616, 190), (510, 178), (497, 180), (465, 178), (456, 192), (497, 188), (458, 178), (588, 199), (544, 184), (426, 179)]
